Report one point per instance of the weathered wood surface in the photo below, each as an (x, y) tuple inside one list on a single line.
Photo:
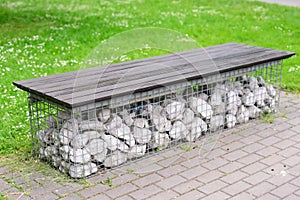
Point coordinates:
[(99, 83)]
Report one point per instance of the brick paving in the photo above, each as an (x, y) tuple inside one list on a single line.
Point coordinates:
[(257, 160)]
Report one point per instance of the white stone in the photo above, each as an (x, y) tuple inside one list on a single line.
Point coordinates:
[(141, 123), (254, 112), (111, 141), (178, 130), (175, 110), (220, 89), (96, 146), (195, 129), (162, 124), (127, 118), (136, 151), (104, 115), (230, 120), (216, 122), (160, 140), (215, 99), (260, 81), (260, 94), (122, 132), (79, 155), (79, 141), (51, 122), (115, 159), (188, 116), (114, 123), (94, 125), (68, 131), (242, 115), (81, 171), (200, 106), (141, 135), (248, 98), (203, 96), (64, 151), (219, 109), (271, 91)]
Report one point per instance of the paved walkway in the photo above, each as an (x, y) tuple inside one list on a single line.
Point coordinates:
[(257, 160), (294, 3)]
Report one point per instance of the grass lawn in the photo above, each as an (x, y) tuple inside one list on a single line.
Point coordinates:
[(40, 37)]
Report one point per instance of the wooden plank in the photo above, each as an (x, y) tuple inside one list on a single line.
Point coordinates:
[(124, 88), (109, 78), (77, 88)]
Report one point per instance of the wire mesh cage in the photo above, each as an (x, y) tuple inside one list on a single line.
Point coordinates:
[(83, 140)]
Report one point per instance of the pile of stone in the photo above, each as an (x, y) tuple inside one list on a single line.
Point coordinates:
[(106, 138)]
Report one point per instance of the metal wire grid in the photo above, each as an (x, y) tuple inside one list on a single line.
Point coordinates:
[(83, 141)]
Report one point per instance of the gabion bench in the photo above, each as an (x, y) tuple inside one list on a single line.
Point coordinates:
[(102, 117)]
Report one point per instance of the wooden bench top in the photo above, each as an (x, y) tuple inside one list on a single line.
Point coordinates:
[(85, 86)]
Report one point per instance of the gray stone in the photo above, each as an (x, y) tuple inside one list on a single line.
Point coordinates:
[(141, 135), (127, 118), (94, 125), (201, 107), (195, 129), (64, 151), (260, 81), (131, 141), (56, 160), (216, 122), (80, 171), (229, 85), (231, 109), (136, 151), (156, 110), (230, 120), (112, 142), (63, 116), (114, 123), (174, 110), (270, 89), (79, 155), (254, 112), (159, 140), (68, 131), (203, 96), (253, 83), (242, 115), (141, 123), (215, 99), (79, 141), (122, 132), (248, 98), (96, 146), (64, 166), (104, 115), (178, 130), (115, 159), (51, 122), (188, 116), (260, 94), (220, 89), (219, 109), (162, 124)]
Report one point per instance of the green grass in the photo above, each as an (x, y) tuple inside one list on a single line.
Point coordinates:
[(40, 37)]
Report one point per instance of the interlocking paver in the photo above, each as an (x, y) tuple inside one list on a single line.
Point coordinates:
[(236, 188), (216, 196), (267, 151), (288, 152), (121, 190), (147, 180), (288, 133), (193, 172), (261, 189), (194, 194), (284, 190), (232, 156), (100, 196), (282, 126), (272, 159), (268, 197), (187, 186), (284, 144), (251, 139), (212, 187), (233, 146), (91, 191), (171, 170), (169, 194), (170, 182), (280, 178), (210, 176), (292, 197), (257, 178), (234, 177), (72, 196), (233, 166), (253, 147), (243, 196), (215, 163), (296, 128), (250, 159), (269, 140), (255, 167), (292, 161), (145, 192)]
